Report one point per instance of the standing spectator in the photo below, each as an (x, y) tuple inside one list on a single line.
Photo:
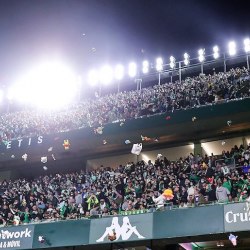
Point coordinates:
[(222, 193)]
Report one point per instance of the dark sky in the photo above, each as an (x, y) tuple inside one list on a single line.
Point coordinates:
[(35, 30)]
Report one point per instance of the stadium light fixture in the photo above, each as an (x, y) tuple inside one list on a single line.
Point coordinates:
[(172, 62), (132, 69), (247, 45), (106, 74), (186, 59), (145, 67), (119, 72), (201, 53), (216, 53), (93, 77), (10, 94), (232, 48), (159, 64), (49, 85)]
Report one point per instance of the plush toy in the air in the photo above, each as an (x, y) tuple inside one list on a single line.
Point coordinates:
[(99, 130), (233, 239), (66, 144), (112, 236)]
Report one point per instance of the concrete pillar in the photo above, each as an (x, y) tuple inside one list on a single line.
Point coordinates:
[(197, 148), (244, 142)]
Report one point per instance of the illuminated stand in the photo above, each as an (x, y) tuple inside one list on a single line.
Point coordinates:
[(170, 69)]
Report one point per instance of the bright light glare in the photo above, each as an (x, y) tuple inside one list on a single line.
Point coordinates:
[(119, 72), (247, 45), (106, 74), (93, 77), (186, 59), (1, 95), (201, 53), (49, 86), (216, 52), (232, 48), (145, 67), (132, 69), (172, 62), (159, 64)]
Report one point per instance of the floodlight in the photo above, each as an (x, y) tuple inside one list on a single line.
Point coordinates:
[(172, 62), (201, 53), (247, 45), (216, 52), (186, 59), (48, 85), (132, 69), (93, 77), (145, 67), (159, 64), (119, 72), (232, 48), (106, 74), (11, 93)]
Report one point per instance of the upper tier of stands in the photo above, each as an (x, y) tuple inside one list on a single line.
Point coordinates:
[(191, 92)]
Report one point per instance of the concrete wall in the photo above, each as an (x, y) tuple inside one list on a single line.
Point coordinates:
[(114, 161), (216, 147), (5, 175)]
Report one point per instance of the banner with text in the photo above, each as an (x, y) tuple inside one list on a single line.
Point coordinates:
[(20, 237), (237, 217)]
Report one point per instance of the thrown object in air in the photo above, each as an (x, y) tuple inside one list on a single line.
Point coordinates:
[(233, 239), (136, 149), (66, 144), (159, 156), (25, 156), (145, 138), (44, 159), (99, 130)]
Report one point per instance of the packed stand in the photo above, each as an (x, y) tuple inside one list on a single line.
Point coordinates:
[(130, 189), (191, 92)]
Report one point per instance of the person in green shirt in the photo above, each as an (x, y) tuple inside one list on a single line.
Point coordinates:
[(227, 184)]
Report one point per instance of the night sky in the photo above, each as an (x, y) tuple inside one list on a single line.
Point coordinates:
[(119, 30)]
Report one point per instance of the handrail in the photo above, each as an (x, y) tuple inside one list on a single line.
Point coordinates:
[(153, 209)]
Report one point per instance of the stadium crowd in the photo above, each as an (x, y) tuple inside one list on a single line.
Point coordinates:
[(191, 92), (130, 189)]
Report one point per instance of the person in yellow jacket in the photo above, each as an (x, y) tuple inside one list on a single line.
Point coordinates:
[(92, 200)]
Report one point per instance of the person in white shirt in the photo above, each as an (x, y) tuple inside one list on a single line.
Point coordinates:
[(159, 202)]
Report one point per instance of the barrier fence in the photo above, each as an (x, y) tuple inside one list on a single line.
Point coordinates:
[(218, 218)]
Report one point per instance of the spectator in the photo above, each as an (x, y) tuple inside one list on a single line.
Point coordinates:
[(158, 99), (222, 193)]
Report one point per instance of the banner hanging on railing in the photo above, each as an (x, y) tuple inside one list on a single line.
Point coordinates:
[(20, 237)]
